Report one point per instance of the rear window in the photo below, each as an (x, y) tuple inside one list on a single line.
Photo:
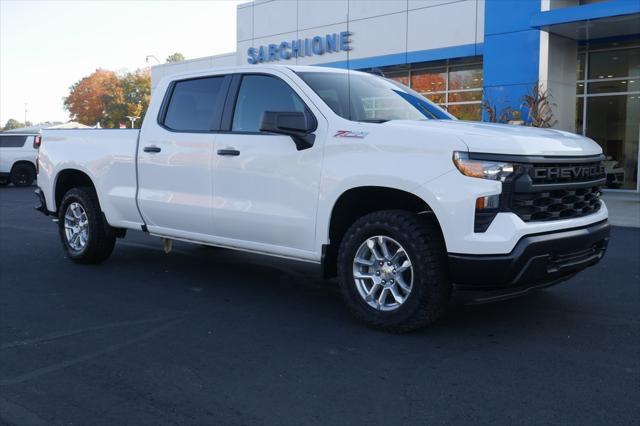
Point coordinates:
[(12, 141), (193, 104)]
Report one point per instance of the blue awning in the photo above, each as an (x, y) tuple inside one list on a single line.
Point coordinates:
[(614, 18)]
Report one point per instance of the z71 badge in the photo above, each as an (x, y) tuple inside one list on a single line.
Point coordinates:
[(350, 134)]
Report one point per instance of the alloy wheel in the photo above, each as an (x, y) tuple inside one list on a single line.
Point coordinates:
[(383, 273), (76, 226)]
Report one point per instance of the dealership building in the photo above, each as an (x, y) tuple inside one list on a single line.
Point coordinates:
[(468, 54)]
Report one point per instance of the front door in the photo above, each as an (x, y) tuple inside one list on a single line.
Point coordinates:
[(265, 190), (175, 159)]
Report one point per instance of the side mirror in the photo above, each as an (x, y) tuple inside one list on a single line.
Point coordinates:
[(296, 124)]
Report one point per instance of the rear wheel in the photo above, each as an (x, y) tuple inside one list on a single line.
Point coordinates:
[(392, 271), (85, 234), (22, 174)]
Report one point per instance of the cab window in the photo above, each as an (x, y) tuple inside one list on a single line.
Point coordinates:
[(193, 104), (260, 93)]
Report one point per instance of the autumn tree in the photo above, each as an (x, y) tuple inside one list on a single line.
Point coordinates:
[(11, 124), (107, 98), (92, 99), (175, 57), (137, 93)]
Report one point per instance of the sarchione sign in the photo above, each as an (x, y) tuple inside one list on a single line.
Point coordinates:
[(318, 45)]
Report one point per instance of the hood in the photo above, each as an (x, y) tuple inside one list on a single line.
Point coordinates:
[(513, 140)]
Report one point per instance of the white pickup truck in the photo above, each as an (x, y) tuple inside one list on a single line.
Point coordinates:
[(354, 172)]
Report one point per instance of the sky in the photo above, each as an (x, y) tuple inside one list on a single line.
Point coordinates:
[(48, 45)]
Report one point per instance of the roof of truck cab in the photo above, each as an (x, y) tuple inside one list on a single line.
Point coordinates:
[(257, 68), (312, 68)]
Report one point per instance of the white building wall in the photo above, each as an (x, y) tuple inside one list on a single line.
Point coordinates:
[(380, 27), (377, 36), (444, 25), (319, 13), (274, 17), (158, 72)]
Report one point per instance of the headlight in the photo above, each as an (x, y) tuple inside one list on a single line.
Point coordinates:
[(493, 170)]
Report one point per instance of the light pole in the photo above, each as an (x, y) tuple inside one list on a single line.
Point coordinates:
[(133, 119), (146, 59), (25, 113)]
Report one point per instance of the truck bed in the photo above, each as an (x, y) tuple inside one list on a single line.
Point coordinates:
[(110, 157)]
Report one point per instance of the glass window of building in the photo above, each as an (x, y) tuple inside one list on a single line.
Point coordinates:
[(401, 77), (455, 85), (608, 107)]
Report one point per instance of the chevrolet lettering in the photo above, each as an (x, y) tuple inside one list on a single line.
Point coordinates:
[(573, 172)]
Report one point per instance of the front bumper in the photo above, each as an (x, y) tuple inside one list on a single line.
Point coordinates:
[(536, 261)]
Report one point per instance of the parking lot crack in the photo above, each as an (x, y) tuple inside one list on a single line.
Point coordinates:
[(69, 363), (69, 333)]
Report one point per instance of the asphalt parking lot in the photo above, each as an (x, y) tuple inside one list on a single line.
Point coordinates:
[(210, 336)]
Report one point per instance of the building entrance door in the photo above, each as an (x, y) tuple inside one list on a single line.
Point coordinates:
[(608, 108)]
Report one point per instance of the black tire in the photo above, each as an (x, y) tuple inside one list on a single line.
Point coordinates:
[(101, 236), (422, 240), (22, 174)]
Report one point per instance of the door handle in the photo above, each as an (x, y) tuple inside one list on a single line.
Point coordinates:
[(152, 149), (231, 152)]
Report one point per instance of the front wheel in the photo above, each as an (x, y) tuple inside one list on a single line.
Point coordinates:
[(392, 271), (85, 234)]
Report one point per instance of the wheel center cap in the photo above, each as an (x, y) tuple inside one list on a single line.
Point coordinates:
[(387, 271)]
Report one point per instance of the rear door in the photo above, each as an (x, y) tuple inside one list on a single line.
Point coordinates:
[(175, 158)]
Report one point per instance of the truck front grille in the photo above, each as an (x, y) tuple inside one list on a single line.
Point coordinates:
[(556, 204), (554, 188)]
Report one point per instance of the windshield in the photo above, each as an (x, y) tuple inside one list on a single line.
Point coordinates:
[(361, 97)]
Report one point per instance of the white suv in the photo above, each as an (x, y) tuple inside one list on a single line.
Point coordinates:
[(18, 152)]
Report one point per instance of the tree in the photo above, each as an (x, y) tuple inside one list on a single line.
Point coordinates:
[(12, 123), (108, 98), (539, 107), (137, 93), (91, 98), (175, 57), (495, 116), (536, 109)]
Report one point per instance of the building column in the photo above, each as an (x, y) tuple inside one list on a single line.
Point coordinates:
[(511, 53), (558, 63)]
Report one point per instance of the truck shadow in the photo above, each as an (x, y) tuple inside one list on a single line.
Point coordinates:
[(264, 286)]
